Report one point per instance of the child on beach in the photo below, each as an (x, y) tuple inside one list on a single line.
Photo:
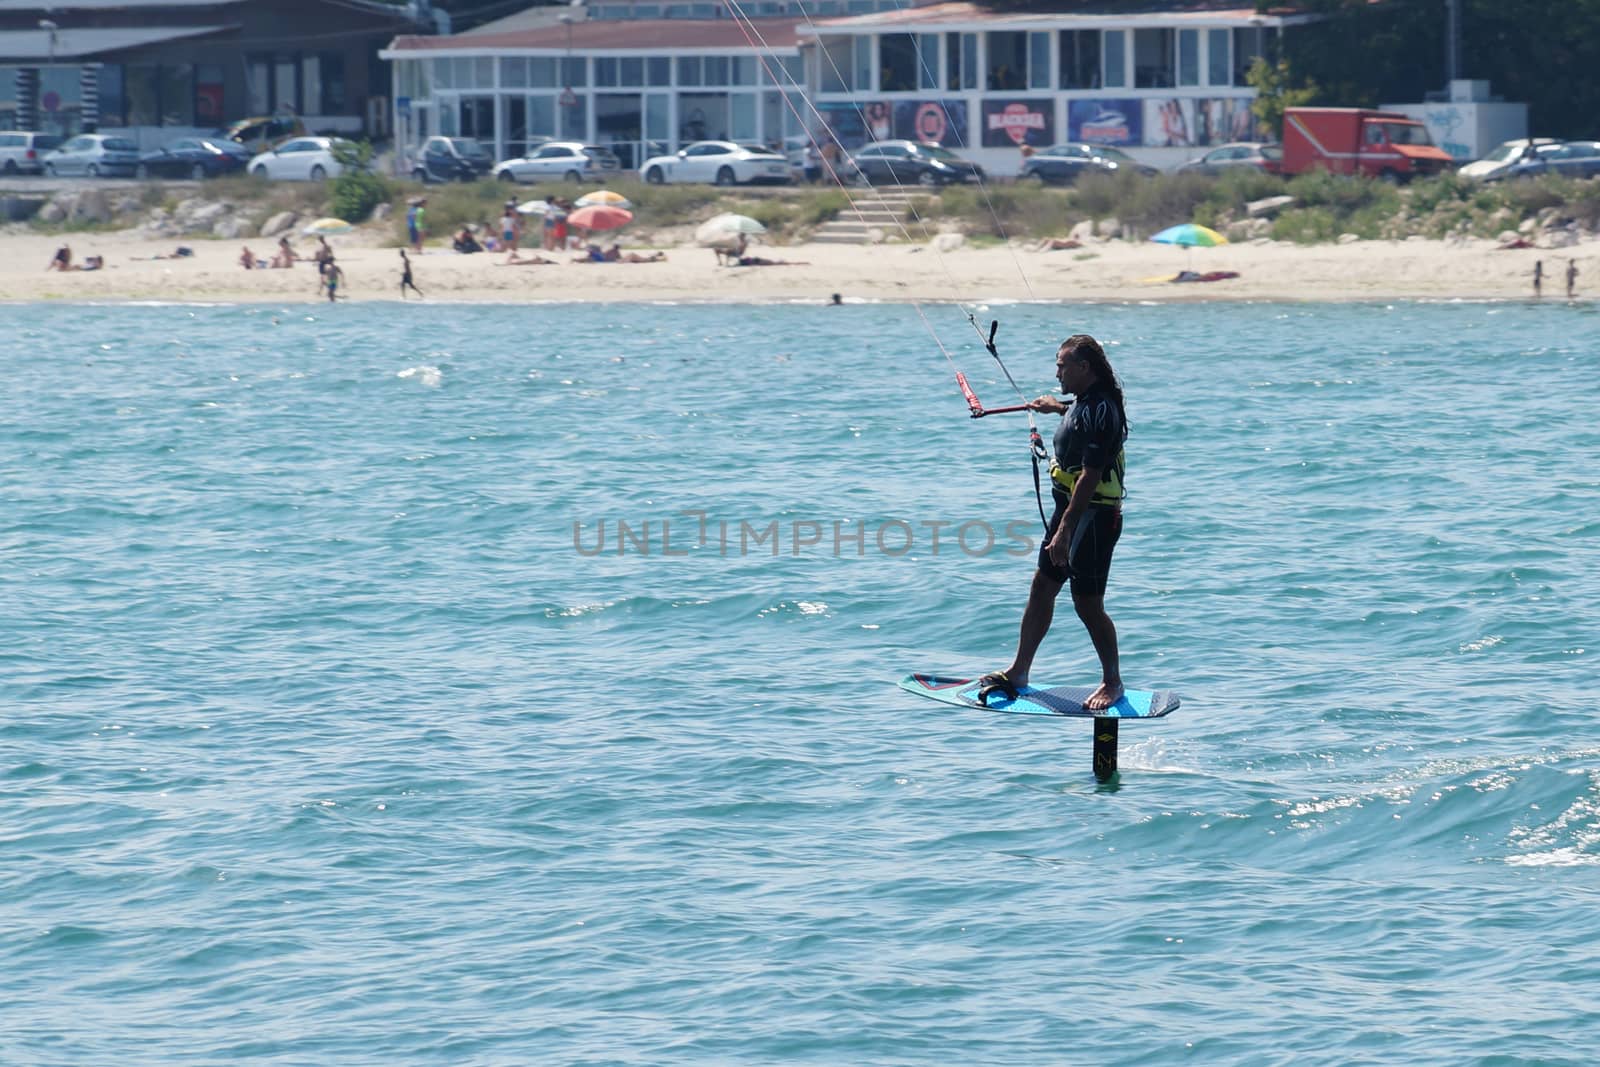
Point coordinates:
[(332, 278)]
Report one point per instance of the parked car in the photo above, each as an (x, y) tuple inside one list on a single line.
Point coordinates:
[(914, 163), (93, 154), (1063, 164), (22, 152), (302, 159), (1506, 155), (1266, 157), (263, 132), (1572, 159), (571, 161), (722, 162), (194, 157), (451, 159)]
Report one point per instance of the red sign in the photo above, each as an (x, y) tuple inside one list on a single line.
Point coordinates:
[(51, 101), (568, 98)]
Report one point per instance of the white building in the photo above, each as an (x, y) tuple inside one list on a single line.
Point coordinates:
[(648, 77)]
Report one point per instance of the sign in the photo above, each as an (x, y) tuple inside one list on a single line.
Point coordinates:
[(50, 101), (943, 122), (1225, 119), (568, 98), (402, 104), (1118, 121), (1170, 123), (1019, 122)]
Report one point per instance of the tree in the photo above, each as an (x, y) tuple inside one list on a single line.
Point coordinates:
[(1275, 92)]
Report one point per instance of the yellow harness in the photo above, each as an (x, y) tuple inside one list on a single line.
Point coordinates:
[(1108, 493)]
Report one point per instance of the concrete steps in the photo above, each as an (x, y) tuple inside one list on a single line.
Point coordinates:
[(878, 210)]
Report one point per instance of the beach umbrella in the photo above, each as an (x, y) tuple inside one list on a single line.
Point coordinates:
[(325, 227), (722, 227), (1190, 235), (603, 197), (600, 217), (534, 207)]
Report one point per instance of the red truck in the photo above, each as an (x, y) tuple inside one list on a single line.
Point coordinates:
[(1353, 140)]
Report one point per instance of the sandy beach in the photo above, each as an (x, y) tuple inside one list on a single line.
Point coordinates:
[(1113, 270)]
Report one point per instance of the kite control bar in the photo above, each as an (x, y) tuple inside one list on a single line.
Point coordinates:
[(978, 410)]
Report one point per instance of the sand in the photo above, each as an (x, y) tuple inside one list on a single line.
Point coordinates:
[(1116, 270)]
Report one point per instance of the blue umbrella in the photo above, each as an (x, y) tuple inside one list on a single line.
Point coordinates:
[(1190, 235)]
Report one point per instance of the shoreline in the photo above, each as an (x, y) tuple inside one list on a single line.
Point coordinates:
[(1101, 272)]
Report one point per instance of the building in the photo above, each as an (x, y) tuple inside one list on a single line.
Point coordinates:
[(650, 77), (69, 66)]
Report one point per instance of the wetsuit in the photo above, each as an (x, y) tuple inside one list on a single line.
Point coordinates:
[(1090, 435)]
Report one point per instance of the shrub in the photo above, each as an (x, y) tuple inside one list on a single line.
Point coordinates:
[(357, 190)]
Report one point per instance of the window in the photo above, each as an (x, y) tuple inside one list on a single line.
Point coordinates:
[(542, 73), (836, 64), (1039, 61), (1247, 45), (514, 73), (927, 61), (443, 77), (863, 62), (1008, 61), (689, 72), (743, 70), (574, 72), (897, 63), (716, 70), (658, 70), (1152, 59), (311, 84), (631, 69), (1217, 58), (742, 125), (605, 71), (1080, 59), (961, 60), (1188, 57), (1115, 54), (541, 116), (111, 101)]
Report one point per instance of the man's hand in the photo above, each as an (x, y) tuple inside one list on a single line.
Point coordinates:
[(1060, 548), (1048, 404)]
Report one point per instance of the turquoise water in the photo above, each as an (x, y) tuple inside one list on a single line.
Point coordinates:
[(329, 740)]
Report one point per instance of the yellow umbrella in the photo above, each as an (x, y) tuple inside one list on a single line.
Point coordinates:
[(602, 198), (327, 226)]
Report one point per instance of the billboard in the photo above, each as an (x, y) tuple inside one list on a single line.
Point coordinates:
[(941, 121), (1116, 122), (848, 125), (1018, 122), (1225, 119), (1170, 123)]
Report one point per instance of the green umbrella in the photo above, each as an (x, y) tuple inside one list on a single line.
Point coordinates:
[(1190, 235)]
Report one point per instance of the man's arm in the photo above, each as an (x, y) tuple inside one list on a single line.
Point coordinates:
[(1083, 492)]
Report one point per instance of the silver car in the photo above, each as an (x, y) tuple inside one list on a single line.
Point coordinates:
[(571, 161), (22, 152), (94, 154)]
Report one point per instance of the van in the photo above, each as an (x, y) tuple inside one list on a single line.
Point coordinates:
[(22, 151), (1354, 140)]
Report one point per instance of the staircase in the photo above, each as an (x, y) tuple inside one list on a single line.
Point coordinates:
[(885, 210)]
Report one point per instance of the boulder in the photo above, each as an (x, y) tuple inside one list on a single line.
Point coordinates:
[(1268, 207), (1082, 233), (234, 226), (204, 217), (949, 242), (52, 212), (1108, 228), (1561, 238), (876, 235), (91, 205), (282, 222), (1349, 238), (382, 212)]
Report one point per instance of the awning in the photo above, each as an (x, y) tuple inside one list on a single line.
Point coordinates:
[(35, 46)]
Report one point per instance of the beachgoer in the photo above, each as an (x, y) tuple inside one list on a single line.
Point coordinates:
[(285, 256), (1086, 483), (518, 260), (510, 227), (332, 279), (406, 281), (813, 163), (1538, 278), (465, 242), (757, 261), (324, 258), (62, 260), (247, 259), (92, 263), (416, 222), (1572, 278), (837, 300), (634, 257)]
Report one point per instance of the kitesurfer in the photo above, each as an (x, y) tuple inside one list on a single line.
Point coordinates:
[(1086, 484)]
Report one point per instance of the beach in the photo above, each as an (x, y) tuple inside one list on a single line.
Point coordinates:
[(919, 272)]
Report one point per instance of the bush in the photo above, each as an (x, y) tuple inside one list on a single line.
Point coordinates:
[(357, 190)]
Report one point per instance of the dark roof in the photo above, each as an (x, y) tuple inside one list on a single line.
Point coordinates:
[(654, 34)]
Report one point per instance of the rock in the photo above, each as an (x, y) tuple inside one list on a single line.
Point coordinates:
[(52, 212), (282, 222), (1348, 238), (875, 235), (1238, 231), (234, 226), (1108, 228), (205, 216), (1528, 226), (91, 205), (1082, 233), (382, 212), (1414, 238), (949, 242), (1561, 238), (1506, 237), (1268, 207)]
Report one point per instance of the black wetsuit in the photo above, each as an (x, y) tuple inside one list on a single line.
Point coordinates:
[(1090, 435)]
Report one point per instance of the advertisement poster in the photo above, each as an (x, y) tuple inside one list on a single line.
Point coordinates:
[(1118, 122), (1225, 119), (847, 123), (941, 121), (1008, 123), (1170, 123)]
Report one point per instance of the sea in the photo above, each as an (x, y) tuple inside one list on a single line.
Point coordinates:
[(419, 684)]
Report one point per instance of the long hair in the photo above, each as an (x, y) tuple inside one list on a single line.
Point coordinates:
[(1086, 348)]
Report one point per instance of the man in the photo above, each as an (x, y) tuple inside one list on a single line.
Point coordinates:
[(406, 281), (1572, 278), (416, 222), (1086, 482), (1538, 278), (332, 279)]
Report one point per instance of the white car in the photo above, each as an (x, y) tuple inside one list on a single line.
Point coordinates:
[(722, 162), (1503, 158), (302, 159), (571, 161)]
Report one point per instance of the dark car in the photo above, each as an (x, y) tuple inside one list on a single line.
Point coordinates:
[(1063, 164), (451, 159), (1265, 157), (913, 163), (1570, 159), (196, 158)]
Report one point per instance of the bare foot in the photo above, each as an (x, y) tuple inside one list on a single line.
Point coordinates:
[(1102, 698)]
